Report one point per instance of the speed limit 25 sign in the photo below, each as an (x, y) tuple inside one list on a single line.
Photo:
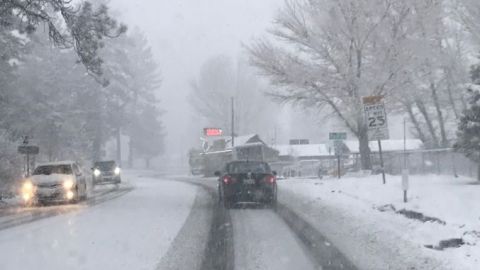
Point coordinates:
[(376, 118)]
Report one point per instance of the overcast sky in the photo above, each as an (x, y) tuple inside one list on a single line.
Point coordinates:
[(184, 33)]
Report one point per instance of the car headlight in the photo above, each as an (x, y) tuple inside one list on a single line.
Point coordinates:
[(70, 195), (97, 172), (117, 171), (27, 186), (28, 191), (68, 184)]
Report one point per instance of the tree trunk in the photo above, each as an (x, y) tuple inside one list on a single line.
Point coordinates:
[(441, 121), (364, 149), (130, 153), (97, 142), (431, 129), (464, 102), (478, 172), (451, 99), (416, 125), (119, 147), (147, 163)]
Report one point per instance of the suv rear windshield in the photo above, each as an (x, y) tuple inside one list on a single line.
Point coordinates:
[(53, 169), (105, 165), (246, 167)]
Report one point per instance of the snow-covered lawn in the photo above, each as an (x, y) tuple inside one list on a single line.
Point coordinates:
[(359, 211)]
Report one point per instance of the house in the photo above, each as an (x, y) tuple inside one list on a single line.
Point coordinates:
[(388, 146), (304, 152)]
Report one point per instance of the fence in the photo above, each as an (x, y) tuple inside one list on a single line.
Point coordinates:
[(438, 161)]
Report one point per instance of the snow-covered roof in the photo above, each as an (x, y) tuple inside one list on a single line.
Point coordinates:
[(239, 141), (244, 139), (303, 150), (63, 162), (387, 145)]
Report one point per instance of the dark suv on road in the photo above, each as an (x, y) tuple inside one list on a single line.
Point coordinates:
[(247, 181), (106, 172)]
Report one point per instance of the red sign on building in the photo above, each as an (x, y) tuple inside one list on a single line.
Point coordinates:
[(211, 132)]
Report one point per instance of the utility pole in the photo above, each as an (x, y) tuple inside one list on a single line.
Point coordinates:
[(233, 122), (405, 171)]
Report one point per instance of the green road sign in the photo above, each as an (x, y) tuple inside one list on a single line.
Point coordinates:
[(338, 136), (28, 149)]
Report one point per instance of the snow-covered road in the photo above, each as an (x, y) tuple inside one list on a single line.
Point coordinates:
[(130, 232), (263, 241), (161, 222)]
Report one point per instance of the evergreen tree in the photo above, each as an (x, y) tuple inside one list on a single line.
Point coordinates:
[(78, 25), (468, 134)]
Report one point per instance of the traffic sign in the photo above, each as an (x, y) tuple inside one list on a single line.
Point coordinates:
[(299, 141), (376, 118), (337, 136), (28, 149)]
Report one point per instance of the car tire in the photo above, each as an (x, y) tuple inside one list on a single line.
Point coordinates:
[(220, 197), (85, 195), (227, 203), (77, 196), (35, 203), (272, 203)]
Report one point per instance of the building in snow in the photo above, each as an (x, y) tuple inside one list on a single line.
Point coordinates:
[(304, 152), (219, 151), (388, 146)]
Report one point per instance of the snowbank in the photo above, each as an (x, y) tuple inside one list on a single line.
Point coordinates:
[(360, 215)]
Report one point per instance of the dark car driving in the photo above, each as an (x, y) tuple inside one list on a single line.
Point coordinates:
[(247, 181), (106, 172)]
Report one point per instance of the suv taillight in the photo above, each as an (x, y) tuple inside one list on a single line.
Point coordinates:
[(228, 179), (270, 179)]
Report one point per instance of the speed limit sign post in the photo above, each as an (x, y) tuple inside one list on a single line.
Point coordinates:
[(376, 118)]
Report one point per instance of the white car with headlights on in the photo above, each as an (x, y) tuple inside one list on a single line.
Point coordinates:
[(55, 182), (106, 172)]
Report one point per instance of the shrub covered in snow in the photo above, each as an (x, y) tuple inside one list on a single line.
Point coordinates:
[(468, 134), (10, 165)]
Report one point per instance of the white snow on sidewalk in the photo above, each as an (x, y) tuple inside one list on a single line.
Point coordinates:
[(347, 210), (130, 232)]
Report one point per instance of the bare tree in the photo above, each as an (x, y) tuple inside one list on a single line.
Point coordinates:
[(469, 11), (433, 96), (330, 53), (219, 81)]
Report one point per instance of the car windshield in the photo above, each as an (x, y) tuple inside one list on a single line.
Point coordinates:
[(248, 167), (53, 169), (105, 165)]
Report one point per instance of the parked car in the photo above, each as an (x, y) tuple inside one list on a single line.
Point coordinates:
[(53, 182), (106, 172), (247, 181)]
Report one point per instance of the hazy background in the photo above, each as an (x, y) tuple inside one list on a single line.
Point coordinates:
[(183, 35)]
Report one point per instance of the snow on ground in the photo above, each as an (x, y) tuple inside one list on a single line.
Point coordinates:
[(263, 241), (130, 232), (349, 212)]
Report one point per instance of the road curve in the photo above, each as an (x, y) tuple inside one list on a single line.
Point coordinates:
[(253, 238)]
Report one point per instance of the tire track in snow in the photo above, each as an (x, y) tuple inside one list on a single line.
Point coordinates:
[(33, 214), (264, 241), (215, 225), (220, 253), (187, 249), (318, 246)]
